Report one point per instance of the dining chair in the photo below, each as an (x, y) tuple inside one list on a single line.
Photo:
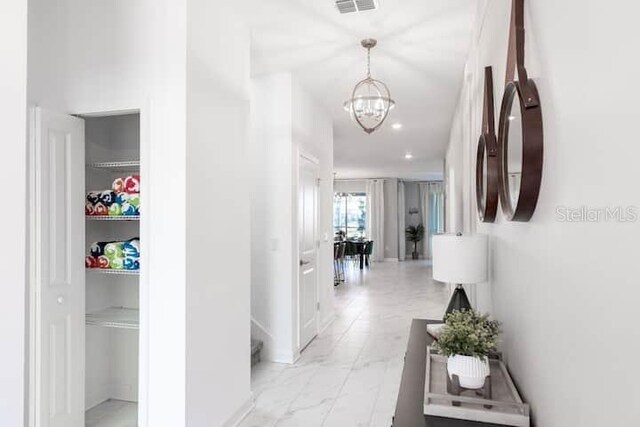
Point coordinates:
[(351, 252), (368, 250)]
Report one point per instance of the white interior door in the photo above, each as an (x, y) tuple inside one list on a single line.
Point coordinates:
[(57, 268), (308, 247)]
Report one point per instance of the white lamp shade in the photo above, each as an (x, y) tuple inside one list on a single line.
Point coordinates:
[(460, 259)]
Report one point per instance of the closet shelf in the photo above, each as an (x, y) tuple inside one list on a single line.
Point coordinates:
[(113, 218), (115, 317), (132, 165), (114, 271)]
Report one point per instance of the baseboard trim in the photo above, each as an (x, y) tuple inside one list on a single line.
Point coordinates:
[(280, 357), (241, 413)]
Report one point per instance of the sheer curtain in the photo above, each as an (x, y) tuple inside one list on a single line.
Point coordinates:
[(402, 242), (375, 217), (432, 208)]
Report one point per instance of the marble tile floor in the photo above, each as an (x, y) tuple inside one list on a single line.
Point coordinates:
[(350, 374)]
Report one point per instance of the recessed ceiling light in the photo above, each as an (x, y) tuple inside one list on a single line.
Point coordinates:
[(397, 126), (511, 118), (408, 156)]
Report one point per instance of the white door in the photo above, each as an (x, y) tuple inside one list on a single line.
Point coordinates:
[(57, 268), (308, 247)]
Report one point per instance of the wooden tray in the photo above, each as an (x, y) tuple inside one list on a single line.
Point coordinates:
[(507, 407)]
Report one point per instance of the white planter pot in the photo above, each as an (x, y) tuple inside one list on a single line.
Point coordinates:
[(471, 371)]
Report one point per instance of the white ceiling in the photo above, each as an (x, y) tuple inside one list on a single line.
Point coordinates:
[(422, 47)]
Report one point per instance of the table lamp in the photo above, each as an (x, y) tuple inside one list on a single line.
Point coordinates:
[(459, 259)]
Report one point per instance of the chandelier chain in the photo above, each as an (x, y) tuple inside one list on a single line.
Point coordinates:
[(369, 62)]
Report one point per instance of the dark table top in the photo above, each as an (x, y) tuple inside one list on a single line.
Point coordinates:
[(410, 405)]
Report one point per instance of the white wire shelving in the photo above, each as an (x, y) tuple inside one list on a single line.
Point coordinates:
[(115, 317), (114, 271), (113, 218), (130, 165)]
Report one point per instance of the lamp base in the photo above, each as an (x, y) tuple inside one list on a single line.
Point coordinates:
[(459, 301)]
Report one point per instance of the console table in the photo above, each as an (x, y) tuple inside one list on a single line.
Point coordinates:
[(410, 405)]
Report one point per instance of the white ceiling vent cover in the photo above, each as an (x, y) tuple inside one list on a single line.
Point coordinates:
[(348, 6)]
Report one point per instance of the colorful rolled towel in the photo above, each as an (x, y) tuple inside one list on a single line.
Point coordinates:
[(107, 197), (115, 209), (97, 248), (131, 248), (100, 209), (91, 262), (113, 250), (93, 197), (118, 185), (89, 209), (103, 262), (116, 263), (128, 209), (134, 200), (131, 263), (122, 197), (132, 184)]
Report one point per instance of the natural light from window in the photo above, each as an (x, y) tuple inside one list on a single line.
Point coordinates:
[(350, 215)]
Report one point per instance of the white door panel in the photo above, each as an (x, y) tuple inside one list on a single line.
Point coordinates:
[(307, 229), (57, 242)]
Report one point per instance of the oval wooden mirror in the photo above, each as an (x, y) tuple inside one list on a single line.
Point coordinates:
[(519, 154), (486, 158), (520, 135)]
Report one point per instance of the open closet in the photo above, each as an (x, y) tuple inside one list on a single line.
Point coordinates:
[(86, 213), (112, 230)]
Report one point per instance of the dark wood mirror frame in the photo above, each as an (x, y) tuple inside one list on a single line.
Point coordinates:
[(487, 199), (532, 131)]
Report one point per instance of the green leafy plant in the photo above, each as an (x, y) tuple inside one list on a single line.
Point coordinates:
[(468, 333), (415, 233)]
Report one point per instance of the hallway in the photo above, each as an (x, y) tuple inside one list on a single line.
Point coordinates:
[(349, 375)]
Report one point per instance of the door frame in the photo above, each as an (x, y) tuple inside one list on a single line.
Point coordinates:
[(302, 154), (145, 110)]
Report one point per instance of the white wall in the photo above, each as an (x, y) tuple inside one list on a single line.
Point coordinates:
[(218, 216), (272, 215), (350, 186), (13, 107), (567, 291), (285, 120)]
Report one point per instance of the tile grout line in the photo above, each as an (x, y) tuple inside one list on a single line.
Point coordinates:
[(311, 377), (347, 377)]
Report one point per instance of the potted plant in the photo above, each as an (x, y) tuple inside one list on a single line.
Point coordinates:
[(466, 339), (415, 233)]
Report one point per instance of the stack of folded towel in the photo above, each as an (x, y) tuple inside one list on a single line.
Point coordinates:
[(122, 200), (115, 255)]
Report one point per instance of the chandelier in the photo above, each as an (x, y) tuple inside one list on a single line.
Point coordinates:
[(370, 100)]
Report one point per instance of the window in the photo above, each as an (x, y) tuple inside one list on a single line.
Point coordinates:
[(350, 214)]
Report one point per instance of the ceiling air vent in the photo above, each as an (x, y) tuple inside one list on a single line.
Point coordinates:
[(348, 6)]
